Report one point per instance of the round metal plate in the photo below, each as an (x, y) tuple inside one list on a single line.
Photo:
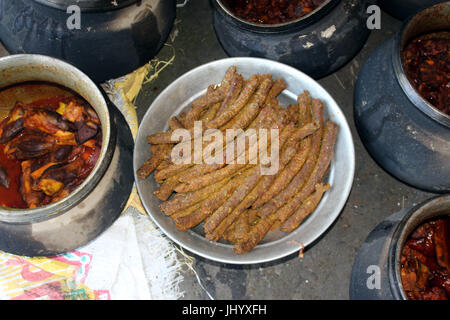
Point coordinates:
[(181, 93)]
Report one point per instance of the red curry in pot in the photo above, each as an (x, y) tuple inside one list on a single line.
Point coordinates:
[(47, 149), (272, 11), (426, 61), (425, 262)]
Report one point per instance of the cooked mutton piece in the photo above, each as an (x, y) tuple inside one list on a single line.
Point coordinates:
[(11, 130), (47, 121), (32, 198), (13, 125), (67, 174), (85, 131), (72, 112), (49, 186), (32, 144)]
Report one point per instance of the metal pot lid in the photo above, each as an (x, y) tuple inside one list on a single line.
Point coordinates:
[(88, 5)]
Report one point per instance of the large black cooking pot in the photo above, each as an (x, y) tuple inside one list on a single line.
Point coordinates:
[(404, 133), (317, 44), (376, 269), (116, 37), (96, 203), (402, 9)]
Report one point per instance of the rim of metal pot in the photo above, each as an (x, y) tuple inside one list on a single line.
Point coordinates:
[(302, 21), (417, 100), (12, 215), (427, 210), (87, 5)]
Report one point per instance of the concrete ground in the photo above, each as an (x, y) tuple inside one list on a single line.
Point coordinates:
[(324, 271)]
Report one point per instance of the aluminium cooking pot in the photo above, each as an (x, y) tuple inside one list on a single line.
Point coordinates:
[(316, 44), (114, 37), (380, 254), (95, 204), (403, 132)]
